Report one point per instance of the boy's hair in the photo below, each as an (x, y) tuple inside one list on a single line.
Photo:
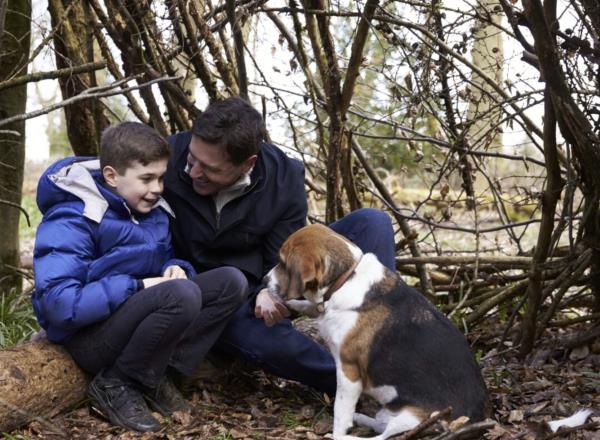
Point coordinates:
[(234, 125), (127, 142)]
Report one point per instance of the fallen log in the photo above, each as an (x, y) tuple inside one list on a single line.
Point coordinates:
[(38, 380)]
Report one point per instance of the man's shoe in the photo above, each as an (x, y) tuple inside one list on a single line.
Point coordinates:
[(122, 404), (166, 398)]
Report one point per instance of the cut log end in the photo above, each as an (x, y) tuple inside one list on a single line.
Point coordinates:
[(37, 380)]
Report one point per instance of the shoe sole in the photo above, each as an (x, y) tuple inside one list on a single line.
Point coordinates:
[(155, 406), (104, 409)]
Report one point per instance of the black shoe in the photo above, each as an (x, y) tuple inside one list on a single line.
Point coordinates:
[(166, 398), (122, 404)]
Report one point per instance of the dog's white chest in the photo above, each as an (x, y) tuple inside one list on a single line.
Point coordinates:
[(335, 325)]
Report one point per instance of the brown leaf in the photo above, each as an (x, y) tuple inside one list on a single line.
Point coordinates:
[(579, 353), (458, 423), (236, 434), (516, 415), (495, 433), (306, 412), (444, 191), (182, 417), (323, 426)]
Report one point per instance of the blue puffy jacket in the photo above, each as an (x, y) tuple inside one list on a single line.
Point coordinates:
[(90, 249)]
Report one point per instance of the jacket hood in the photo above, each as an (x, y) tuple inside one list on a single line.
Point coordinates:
[(79, 178)]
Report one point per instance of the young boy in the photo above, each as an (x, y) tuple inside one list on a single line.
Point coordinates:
[(107, 286)]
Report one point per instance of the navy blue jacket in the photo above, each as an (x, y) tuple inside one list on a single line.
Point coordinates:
[(90, 249), (251, 228)]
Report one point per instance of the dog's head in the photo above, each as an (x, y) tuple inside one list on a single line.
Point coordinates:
[(310, 261)]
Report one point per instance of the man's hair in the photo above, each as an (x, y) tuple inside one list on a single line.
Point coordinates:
[(232, 124), (128, 142)]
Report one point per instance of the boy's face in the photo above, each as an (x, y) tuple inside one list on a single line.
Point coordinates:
[(140, 185), (211, 169)]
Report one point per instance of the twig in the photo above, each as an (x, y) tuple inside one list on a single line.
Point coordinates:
[(474, 430), (356, 54), (488, 305), (522, 262), (18, 270), (11, 132), (504, 226), (87, 94), (569, 276), (581, 338), (3, 7), (53, 74), (238, 40), (466, 296), (423, 425), (568, 322), (19, 207), (426, 284), (55, 429)]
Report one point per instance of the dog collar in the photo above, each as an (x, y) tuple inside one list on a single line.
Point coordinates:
[(340, 281)]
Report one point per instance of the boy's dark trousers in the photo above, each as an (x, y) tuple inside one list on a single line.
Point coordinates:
[(172, 324)]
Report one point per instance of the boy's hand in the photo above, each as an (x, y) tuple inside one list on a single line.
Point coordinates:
[(149, 282), (173, 272), (270, 308)]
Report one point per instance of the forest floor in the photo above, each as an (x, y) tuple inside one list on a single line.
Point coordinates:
[(244, 403)]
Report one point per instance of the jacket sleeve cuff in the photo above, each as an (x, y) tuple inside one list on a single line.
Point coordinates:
[(186, 266)]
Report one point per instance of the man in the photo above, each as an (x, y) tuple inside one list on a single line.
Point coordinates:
[(236, 200)]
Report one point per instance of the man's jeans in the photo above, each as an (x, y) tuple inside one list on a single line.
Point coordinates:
[(173, 324), (281, 349)]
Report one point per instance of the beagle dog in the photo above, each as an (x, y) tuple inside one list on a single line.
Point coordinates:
[(388, 341)]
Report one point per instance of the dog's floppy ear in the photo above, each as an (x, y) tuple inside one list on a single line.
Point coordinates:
[(304, 276), (296, 286)]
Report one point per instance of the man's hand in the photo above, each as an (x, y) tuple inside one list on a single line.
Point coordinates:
[(173, 272), (270, 308), (304, 307), (149, 282)]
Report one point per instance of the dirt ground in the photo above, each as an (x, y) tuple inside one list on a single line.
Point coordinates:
[(239, 402)]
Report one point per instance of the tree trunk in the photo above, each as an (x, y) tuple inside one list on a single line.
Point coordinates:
[(550, 197), (575, 127), (37, 381), (14, 44), (74, 46)]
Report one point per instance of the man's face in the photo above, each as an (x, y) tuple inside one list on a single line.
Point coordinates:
[(140, 185), (211, 169)]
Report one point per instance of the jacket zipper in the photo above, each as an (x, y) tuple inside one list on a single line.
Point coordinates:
[(218, 213)]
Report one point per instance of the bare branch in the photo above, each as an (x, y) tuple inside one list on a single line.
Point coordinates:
[(356, 55), (238, 40), (19, 207), (94, 92), (60, 73)]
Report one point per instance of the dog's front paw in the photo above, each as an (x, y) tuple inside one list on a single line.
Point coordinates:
[(341, 435)]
